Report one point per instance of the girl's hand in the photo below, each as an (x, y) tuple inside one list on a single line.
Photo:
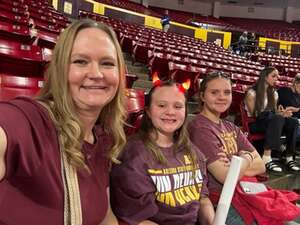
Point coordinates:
[(292, 108), (287, 113), (224, 159)]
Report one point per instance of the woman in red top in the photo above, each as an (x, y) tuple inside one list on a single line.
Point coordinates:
[(55, 150)]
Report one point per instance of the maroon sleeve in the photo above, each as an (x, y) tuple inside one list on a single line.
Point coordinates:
[(132, 190), (242, 142), (206, 141), (20, 156), (203, 169)]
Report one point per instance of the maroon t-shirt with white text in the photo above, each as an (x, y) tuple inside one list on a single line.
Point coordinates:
[(143, 189), (212, 138), (31, 191)]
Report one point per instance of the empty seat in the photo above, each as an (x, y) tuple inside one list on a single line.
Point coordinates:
[(14, 86), (28, 58), (135, 103)]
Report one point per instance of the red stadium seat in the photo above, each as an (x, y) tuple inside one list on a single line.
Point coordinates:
[(14, 86), (46, 39), (15, 32), (135, 101), (130, 79), (28, 58), (246, 120), (181, 73)]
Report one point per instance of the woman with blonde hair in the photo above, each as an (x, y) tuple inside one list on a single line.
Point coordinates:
[(56, 149)]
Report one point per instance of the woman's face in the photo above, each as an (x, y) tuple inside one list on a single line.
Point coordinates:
[(93, 72), (217, 96), (272, 77), (167, 109)]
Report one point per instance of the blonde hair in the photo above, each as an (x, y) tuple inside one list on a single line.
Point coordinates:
[(56, 96)]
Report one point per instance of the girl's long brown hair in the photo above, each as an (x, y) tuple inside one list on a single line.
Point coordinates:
[(260, 88)]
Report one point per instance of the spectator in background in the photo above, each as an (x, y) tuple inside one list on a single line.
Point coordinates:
[(165, 22), (56, 149), (252, 43), (290, 96), (242, 43), (261, 102), (162, 176)]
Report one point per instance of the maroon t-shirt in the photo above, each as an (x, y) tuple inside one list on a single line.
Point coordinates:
[(31, 191), (212, 138), (142, 189)]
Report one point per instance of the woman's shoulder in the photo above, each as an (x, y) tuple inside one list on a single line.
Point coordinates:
[(21, 102), (230, 127), (198, 152), (27, 109), (199, 121)]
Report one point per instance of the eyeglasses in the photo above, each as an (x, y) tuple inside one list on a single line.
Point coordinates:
[(216, 74)]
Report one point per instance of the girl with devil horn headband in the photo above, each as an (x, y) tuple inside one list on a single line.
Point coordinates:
[(162, 178)]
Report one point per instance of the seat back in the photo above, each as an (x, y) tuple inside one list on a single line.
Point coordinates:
[(246, 120), (135, 103), (14, 86)]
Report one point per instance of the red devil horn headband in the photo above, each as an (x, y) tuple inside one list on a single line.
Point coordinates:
[(183, 87)]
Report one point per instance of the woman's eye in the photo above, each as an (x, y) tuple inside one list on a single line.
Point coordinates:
[(108, 63), (179, 106), (80, 61)]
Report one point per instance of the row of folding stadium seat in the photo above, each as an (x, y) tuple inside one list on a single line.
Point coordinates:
[(44, 15), (23, 45), (159, 53), (132, 6), (187, 17), (268, 28), (13, 86), (30, 59), (287, 66)]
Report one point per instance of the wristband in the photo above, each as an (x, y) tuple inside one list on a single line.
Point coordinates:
[(248, 153)]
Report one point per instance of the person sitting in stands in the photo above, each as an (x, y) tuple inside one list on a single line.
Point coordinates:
[(290, 96), (162, 176), (56, 149), (261, 102), (219, 139)]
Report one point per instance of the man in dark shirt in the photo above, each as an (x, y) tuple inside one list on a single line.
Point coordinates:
[(165, 21), (290, 96)]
